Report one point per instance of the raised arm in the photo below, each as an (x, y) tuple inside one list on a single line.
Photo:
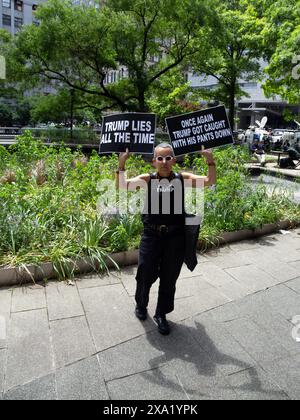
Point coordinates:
[(208, 180), (132, 184)]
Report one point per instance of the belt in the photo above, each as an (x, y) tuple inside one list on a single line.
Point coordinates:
[(165, 228)]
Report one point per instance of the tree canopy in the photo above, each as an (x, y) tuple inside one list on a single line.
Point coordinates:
[(132, 55), (282, 49), (76, 46), (230, 50)]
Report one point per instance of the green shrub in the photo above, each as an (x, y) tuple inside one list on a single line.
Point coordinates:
[(49, 195)]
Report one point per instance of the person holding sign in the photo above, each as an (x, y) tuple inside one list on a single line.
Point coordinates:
[(162, 249)]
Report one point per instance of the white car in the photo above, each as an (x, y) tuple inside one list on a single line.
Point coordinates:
[(283, 134), (277, 135)]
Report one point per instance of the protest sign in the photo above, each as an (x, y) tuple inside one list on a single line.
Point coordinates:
[(202, 129), (132, 131)]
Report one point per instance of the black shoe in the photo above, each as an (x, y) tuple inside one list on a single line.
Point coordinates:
[(141, 313), (162, 324)]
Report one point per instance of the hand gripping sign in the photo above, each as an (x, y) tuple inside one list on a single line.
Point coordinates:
[(132, 131), (199, 130)]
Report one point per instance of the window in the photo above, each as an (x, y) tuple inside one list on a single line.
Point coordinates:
[(6, 19), (6, 3), (18, 22), (18, 5), (34, 7)]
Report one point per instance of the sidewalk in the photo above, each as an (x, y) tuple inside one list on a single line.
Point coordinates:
[(231, 332)]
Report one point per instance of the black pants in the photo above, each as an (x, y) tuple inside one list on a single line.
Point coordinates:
[(161, 256)]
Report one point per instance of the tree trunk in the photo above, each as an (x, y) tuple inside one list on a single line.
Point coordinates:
[(232, 105), (142, 102)]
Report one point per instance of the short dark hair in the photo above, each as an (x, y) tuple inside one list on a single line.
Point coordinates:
[(164, 146)]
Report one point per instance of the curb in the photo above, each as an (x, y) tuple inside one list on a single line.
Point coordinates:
[(288, 174), (241, 235), (19, 276)]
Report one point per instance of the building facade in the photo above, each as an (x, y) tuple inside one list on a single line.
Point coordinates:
[(255, 105), (15, 13)]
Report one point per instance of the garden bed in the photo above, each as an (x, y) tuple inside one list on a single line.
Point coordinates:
[(46, 271), (50, 214)]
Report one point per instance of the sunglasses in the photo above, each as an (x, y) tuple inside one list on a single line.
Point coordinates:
[(162, 159)]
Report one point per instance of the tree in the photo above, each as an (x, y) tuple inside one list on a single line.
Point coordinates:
[(171, 96), (56, 107), (6, 115), (77, 46), (14, 108), (282, 49), (7, 89), (229, 49)]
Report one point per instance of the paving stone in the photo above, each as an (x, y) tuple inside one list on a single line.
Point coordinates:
[(285, 253), (294, 285), (213, 338), (215, 276), (191, 286), (40, 389), (63, 301), (29, 348), (129, 283), (283, 300), (251, 305), (191, 306), (260, 309), (295, 265), (4, 328), (132, 357), (279, 270), (225, 313), (81, 381), (266, 257), (244, 245), (234, 290), (268, 240), (277, 327), (28, 298), (252, 277), (2, 369), (181, 346), (215, 253), (96, 280), (253, 256), (285, 373), (71, 340), (231, 260), (201, 379), (253, 384), (260, 345), (5, 305), (5, 301), (110, 314), (198, 270), (157, 384)]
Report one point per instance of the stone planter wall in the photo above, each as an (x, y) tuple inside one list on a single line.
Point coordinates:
[(14, 276)]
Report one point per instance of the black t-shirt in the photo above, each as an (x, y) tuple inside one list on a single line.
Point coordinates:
[(164, 204)]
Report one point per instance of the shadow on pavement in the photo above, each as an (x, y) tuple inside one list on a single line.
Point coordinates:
[(183, 348)]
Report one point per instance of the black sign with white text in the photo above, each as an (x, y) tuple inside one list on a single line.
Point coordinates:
[(206, 129), (132, 131)]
